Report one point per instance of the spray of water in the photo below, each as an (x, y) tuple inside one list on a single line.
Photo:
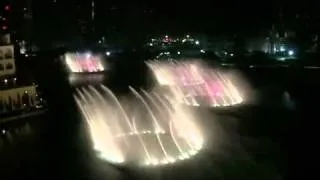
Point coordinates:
[(145, 130), (194, 84)]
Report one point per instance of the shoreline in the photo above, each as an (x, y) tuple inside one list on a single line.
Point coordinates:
[(21, 116)]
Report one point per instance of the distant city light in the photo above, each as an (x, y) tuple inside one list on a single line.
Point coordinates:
[(274, 49), (290, 52), (178, 52), (150, 44), (108, 53), (5, 81), (88, 55), (197, 42), (23, 50), (166, 36), (231, 54), (282, 49), (7, 8), (202, 51), (188, 36)]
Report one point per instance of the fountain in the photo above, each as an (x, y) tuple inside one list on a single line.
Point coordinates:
[(193, 84), (143, 129)]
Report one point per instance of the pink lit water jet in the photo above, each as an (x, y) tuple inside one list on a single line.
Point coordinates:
[(194, 84)]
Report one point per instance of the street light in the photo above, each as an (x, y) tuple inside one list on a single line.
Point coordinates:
[(290, 52)]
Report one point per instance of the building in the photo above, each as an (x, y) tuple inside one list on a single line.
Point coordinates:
[(14, 94), (7, 63)]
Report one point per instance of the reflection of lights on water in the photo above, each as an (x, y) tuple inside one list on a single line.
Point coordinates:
[(75, 79), (192, 84), (146, 130)]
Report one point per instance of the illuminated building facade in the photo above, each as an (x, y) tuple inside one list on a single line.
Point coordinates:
[(7, 64), (14, 95)]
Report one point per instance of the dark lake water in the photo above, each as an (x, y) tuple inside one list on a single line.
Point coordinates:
[(252, 141)]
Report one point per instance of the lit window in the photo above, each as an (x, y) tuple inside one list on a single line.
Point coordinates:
[(8, 54), (1, 55), (9, 66)]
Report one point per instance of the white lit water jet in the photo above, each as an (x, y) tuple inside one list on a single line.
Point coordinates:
[(193, 84), (84, 63), (145, 129)]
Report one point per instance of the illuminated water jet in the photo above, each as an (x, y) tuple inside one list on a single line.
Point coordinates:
[(83, 63), (144, 129), (194, 84)]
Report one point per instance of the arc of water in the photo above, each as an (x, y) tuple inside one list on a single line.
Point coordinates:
[(170, 122), (94, 101), (231, 88), (104, 101), (212, 97), (151, 99), (162, 102), (227, 89), (85, 109), (107, 147), (225, 102), (183, 121), (88, 117), (153, 118), (174, 138), (126, 118)]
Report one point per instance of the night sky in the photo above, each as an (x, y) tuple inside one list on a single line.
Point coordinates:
[(61, 19)]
